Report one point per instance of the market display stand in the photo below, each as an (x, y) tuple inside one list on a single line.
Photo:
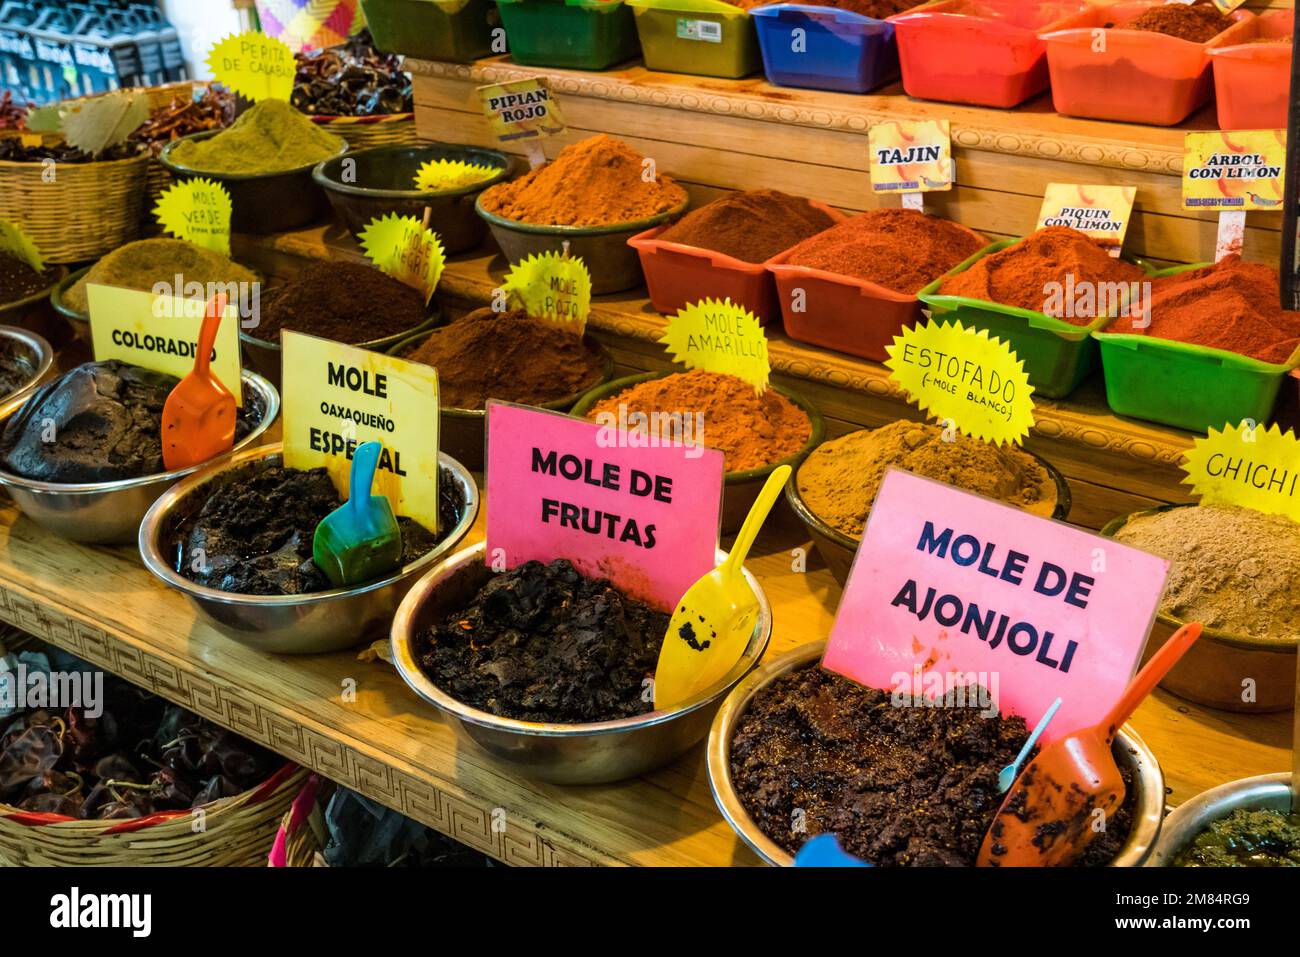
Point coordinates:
[(385, 742), (1114, 465)]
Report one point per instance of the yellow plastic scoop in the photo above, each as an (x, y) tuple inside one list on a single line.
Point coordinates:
[(713, 621), (198, 420)]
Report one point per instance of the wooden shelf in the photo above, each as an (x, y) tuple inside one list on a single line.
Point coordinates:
[(388, 744)]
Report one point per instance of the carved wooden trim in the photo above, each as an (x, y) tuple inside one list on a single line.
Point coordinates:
[(753, 99), (465, 817)]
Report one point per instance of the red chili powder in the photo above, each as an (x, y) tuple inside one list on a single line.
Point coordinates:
[(900, 249), (1198, 23), (1231, 305), (1037, 272), (752, 226)]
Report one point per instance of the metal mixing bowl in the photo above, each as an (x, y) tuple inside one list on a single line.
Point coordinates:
[(109, 513), (1129, 750), (593, 753), (308, 624), (1264, 792), (38, 360)]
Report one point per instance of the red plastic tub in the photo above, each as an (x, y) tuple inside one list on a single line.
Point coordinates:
[(1251, 79), (841, 312), (677, 274), (985, 52), (1139, 76)]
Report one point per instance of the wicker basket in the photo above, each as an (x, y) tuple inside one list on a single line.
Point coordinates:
[(82, 212), (237, 832), (363, 132)]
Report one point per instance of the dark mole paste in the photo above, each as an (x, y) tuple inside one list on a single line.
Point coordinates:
[(16, 366), (1246, 838), (253, 534), (99, 422), (900, 786), (545, 643)]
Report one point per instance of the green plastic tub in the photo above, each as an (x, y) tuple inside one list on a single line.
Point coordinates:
[(1188, 386), (583, 34), (1058, 355), (455, 30), (702, 37)]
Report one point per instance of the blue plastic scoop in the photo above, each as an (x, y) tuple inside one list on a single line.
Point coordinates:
[(360, 540), (1007, 776)]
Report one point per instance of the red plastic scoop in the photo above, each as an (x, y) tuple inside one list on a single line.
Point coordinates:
[(1051, 814), (198, 420)]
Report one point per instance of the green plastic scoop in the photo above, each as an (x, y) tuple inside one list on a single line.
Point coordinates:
[(360, 540)]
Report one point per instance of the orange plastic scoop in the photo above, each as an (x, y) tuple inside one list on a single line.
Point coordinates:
[(1051, 814), (198, 420)]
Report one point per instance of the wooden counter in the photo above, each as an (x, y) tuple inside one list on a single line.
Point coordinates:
[(388, 744)]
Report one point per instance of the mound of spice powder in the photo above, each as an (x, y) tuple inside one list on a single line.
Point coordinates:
[(1023, 275), (147, 262), (507, 355), (1197, 22), (596, 182), (752, 430), (1232, 568), (1231, 305), (271, 137), (900, 249), (840, 479), (752, 226), (347, 302)]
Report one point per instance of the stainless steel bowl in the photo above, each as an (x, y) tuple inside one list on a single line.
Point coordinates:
[(308, 624), (593, 753), (109, 513), (1264, 792), (1129, 749), (39, 360)]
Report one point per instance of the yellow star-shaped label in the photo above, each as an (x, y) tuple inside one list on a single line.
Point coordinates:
[(254, 65), (554, 287), (1250, 466), (402, 247), (720, 336), (963, 376), (198, 211)]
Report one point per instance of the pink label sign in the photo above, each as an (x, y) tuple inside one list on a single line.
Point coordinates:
[(951, 589), (640, 511)]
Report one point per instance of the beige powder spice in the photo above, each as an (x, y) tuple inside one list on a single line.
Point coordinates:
[(1234, 569), (840, 479)]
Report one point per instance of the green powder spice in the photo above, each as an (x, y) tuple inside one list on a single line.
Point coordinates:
[(271, 137), (142, 265), (1232, 568)]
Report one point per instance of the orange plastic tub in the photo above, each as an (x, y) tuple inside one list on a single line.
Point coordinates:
[(1139, 76), (677, 274), (985, 52), (1251, 79), (843, 313)]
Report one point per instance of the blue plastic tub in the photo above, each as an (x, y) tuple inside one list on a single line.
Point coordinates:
[(837, 50)]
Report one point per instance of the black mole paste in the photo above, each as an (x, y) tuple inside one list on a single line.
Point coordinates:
[(100, 422), (900, 786), (253, 536), (16, 366), (545, 643)]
